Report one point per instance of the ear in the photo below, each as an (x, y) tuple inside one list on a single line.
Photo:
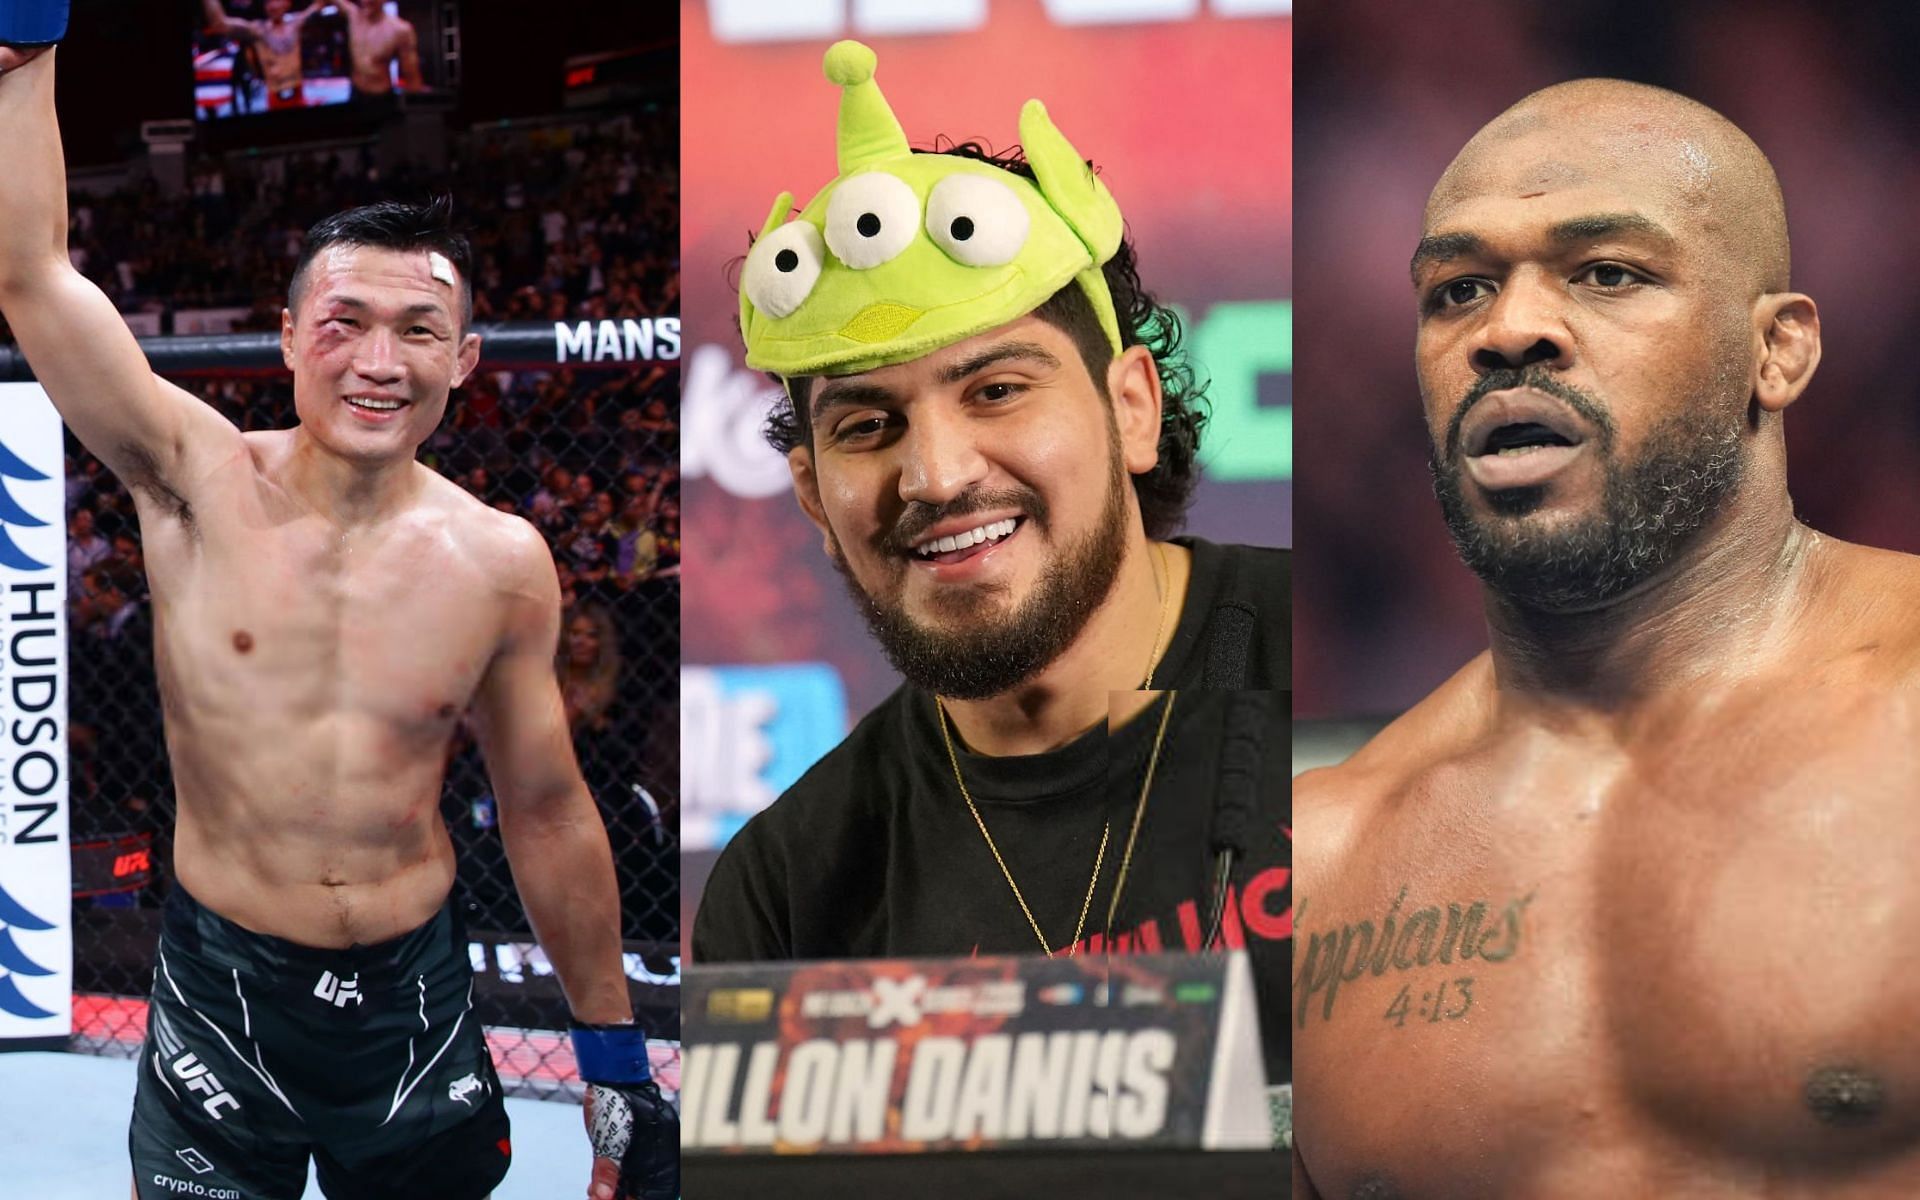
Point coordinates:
[(806, 489), (1134, 383), (286, 337), (1789, 348), (469, 358)]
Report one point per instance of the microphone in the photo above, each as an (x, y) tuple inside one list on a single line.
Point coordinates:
[(1250, 718)]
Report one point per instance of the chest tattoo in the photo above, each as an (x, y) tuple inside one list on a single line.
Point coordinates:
[(1405, 940)]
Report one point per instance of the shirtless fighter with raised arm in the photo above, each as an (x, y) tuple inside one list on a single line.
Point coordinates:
[(1626, 908), (325, 611)]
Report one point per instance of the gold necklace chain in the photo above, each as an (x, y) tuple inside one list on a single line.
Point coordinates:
[(1100, 857), (1161, 579), (1139, 812)]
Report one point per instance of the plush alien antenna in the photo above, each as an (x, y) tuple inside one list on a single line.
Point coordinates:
[(1077, 194), (869, 132)]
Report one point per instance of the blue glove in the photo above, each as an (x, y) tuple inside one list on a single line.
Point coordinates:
[(628, 1120), (28, 23)]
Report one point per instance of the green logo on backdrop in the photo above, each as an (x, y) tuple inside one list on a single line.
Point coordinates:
[(1237, 343)]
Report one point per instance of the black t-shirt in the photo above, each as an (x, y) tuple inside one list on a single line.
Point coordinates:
[(874, 853), (1236, 630)]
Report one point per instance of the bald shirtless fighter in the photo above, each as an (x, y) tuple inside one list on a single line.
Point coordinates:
[(325, 610), (276, 40), (375, 39), (1626, 908)]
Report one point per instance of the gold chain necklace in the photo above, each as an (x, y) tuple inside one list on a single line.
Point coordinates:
[(1139, 812), (1106, 831)]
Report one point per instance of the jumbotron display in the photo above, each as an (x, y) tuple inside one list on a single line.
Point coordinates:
[(268, 56)]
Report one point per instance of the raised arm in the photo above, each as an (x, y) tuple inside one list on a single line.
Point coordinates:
[(77, 344), (220, 21)]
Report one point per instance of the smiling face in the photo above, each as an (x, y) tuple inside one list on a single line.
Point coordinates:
[(374, 348), (1587, 347), (976, 501)]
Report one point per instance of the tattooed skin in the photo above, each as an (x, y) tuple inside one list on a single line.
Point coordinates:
[(1461, 932)]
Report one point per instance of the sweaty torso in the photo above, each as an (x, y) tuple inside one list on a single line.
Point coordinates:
[(1679, 960), (312, 678)]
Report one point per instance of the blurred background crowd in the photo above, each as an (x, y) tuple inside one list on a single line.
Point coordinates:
[(568, 222)]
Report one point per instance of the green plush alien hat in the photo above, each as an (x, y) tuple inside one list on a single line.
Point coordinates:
[(904, 253)]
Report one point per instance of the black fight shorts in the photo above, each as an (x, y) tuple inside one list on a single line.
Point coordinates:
[(261, 1052)]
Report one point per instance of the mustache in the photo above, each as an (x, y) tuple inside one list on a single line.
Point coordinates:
[(920, 517), (1535, 378)]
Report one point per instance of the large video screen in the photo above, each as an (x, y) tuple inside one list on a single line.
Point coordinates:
[(266, 56)]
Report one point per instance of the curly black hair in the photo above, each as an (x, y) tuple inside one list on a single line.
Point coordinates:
[(1165, 491)]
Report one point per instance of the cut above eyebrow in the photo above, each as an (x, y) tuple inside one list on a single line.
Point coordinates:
[(1443, 247)]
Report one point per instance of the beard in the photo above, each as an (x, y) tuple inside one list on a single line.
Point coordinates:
[(1651, 507), (979, 650)]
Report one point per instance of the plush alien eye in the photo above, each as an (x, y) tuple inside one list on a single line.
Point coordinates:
[(782, 268), (976, 220), (870, 219)]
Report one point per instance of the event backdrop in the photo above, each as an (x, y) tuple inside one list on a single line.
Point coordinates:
[(1388, 92), (1183, 106)]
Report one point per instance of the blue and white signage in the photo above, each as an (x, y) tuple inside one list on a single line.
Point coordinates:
[(36, 887)]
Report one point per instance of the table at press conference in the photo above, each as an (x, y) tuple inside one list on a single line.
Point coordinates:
[(977, 1077)]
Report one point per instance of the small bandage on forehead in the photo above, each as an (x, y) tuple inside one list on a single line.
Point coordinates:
[(441, 268)]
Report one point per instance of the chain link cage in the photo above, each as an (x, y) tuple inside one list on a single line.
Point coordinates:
[(587, 453)]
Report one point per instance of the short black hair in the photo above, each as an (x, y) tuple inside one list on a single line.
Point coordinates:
[(392, 225), (1165, 491)]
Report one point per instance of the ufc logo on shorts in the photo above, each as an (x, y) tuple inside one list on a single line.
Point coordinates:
[(337, 991), (189, 1070)]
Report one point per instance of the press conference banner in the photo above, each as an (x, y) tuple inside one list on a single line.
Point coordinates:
[(36, 909), (913, 1055)]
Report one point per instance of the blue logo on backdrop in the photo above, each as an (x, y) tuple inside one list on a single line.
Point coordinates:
[(12, 466), (14, 915), (805, 715)]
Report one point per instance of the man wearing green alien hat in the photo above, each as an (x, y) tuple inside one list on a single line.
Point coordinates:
[(993, 428)]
